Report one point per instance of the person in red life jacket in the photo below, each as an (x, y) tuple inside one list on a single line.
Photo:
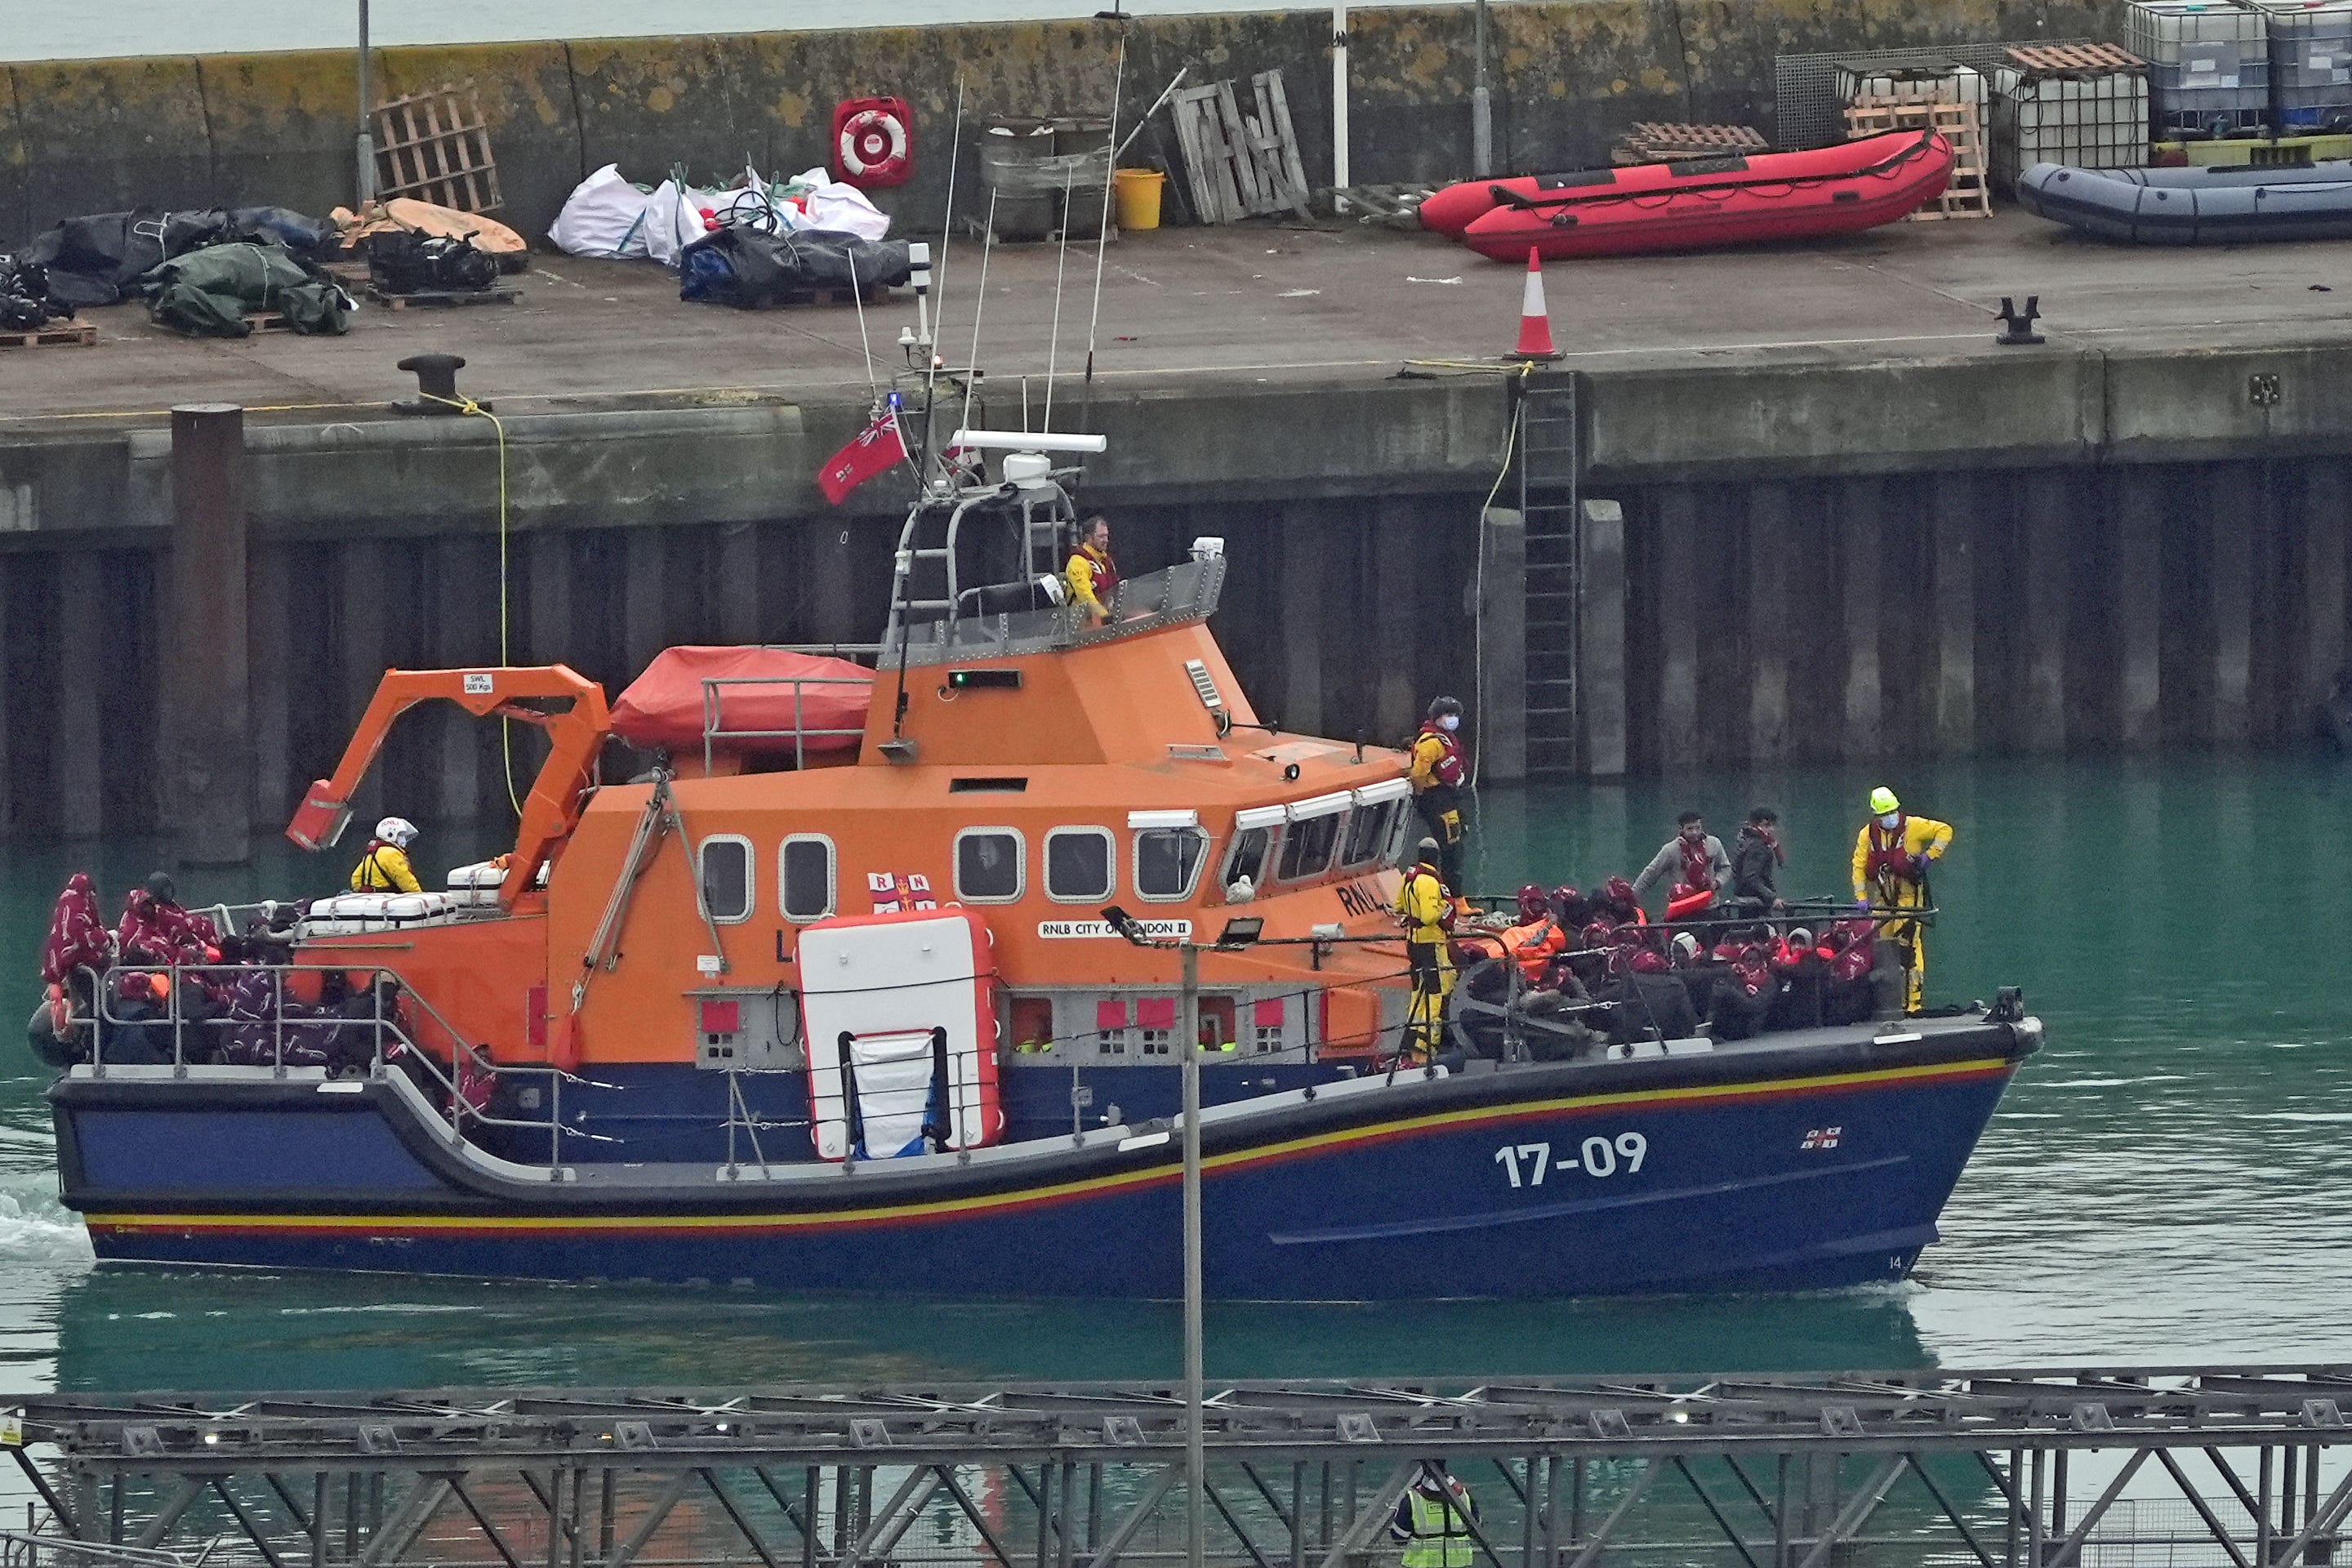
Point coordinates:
[(1091, 575), (1440, 771), (1802, 973), (1695, 859), (1890, 856), (1756, 861), (1571, 908), (1533, 905), (1745, 986), (1619, 904)]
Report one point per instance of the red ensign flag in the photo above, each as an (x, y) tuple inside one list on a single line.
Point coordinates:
[(870, 452)]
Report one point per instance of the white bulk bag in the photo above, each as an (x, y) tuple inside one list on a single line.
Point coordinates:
[(827, 204), (605, 215)]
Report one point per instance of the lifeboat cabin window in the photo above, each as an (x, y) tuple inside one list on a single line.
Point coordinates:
[(727, 879), (1168, 862), (988, 865), (1307, 847), (1369, 831), (1079, 865), (1256, 833), (804, 871), (1377, 824)]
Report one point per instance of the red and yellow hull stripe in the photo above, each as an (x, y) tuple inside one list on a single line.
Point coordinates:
[(997, 1203)]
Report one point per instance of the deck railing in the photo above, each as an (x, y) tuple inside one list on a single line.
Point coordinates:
[(384, 1030)]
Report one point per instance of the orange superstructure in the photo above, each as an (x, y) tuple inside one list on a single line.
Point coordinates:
[(1035, 780)]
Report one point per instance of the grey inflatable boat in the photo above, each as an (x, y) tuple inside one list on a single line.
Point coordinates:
[(2194, 206)]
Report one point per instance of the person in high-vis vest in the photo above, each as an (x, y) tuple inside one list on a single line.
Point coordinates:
[(1439, 772), (384, 867), (1890, 856), (1090, 574), (1432, 1521), (1426, 913)]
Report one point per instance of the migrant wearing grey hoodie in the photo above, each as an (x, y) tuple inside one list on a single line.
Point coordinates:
[(1667, 865)]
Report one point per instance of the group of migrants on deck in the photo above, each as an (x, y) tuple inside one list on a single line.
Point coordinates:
[(1731, 958)]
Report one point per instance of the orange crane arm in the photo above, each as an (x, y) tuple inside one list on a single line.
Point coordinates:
[(553, 809)]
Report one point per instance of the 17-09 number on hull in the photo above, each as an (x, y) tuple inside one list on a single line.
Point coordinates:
[(1528, 1164)]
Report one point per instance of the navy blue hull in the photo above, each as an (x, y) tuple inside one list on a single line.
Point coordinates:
[(1810, 1165)]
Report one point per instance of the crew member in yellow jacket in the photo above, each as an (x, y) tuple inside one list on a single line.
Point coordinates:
[(1890, 856), (384, 867), (1091, 575), (1425, 910)]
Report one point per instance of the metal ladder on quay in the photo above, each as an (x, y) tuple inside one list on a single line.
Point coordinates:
[(1550, 465)]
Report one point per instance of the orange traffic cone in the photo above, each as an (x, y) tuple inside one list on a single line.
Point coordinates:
[(1534, 323)]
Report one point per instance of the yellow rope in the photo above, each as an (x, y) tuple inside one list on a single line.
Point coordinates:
[(506, 734)]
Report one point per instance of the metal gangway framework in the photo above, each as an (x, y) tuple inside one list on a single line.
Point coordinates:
[(2179, 1466)]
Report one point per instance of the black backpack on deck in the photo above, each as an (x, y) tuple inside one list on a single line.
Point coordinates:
[(401, 261)]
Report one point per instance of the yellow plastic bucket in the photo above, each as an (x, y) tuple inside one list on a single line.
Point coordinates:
[(1135, 193)]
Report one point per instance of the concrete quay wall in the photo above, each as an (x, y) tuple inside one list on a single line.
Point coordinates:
[(79, 136)]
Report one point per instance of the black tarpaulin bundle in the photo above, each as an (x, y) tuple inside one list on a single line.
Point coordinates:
[(99, 258), (741, 267)]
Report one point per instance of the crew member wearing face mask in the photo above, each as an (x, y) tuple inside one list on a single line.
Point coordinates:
[(1890, 856), (1439, 772)]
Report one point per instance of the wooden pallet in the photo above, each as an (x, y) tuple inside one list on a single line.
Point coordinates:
[(2072, 59), (1239, 165), (435, 147), (259, 320), (498, 294), (1657, 141), (72, 334), (875, 294), (1967, 194)]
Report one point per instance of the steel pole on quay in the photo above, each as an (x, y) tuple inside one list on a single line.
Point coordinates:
[(2251, 1465)]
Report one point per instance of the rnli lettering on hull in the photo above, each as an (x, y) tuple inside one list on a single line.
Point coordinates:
[(1361, 899), (1163, 930)]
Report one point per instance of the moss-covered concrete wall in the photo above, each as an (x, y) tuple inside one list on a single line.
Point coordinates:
[(196, 131)]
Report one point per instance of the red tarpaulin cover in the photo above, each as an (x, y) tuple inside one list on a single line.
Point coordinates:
[(663, 708)]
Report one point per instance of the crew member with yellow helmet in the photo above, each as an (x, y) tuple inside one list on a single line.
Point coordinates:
[(1890, 856), (1426, 912)]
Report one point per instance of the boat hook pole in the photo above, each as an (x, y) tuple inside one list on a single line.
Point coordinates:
[(1196, 1478), (1238, 933)]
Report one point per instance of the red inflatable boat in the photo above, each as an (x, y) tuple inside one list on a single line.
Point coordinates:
[(1699, 204)]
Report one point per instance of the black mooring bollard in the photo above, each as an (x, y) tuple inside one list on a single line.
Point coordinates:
[(436, 385), (2018, 327)]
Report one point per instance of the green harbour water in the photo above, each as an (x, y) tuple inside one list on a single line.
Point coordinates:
[(2167, 1183)]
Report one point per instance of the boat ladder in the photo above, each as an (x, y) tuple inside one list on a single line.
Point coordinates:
[(1549, 469)]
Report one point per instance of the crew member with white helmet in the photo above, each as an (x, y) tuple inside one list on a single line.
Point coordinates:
[(384, 867)]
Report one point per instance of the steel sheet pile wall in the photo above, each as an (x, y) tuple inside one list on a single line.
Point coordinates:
[(2027, 610)]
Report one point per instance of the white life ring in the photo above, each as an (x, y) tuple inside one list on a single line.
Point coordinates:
[(872, 146)]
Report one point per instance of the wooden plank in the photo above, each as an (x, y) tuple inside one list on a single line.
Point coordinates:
[(1236, 148), (1278, 154), (1187, 111), (1215, 159), (431, 162)]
